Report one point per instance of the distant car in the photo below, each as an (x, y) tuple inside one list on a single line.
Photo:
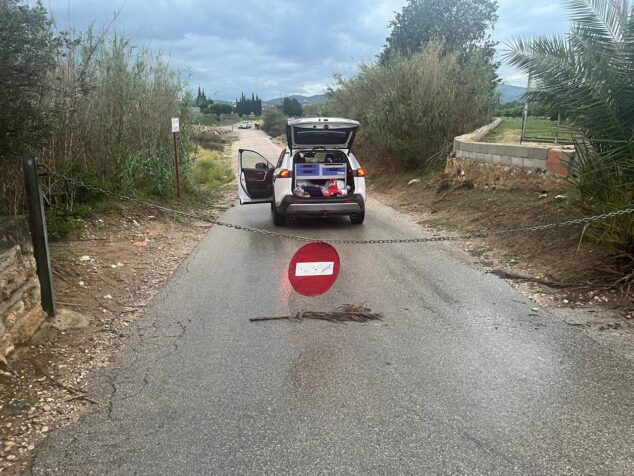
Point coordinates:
[(316, 174), (243, 125)]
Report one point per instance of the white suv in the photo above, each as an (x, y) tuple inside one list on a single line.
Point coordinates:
[(316, 175)]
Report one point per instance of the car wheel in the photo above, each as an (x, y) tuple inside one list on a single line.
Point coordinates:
[(358, 218), (278, 218)]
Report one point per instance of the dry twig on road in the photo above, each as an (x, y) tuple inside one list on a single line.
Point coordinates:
[(345, 313)]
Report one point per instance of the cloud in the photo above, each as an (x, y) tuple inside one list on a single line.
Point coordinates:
[(278, 46)]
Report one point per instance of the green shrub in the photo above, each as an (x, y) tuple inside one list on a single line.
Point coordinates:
[(412, 107), (274, 122), (209, 140), (63, 220)]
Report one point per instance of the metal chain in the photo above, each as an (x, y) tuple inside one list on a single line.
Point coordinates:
[(485, 234)]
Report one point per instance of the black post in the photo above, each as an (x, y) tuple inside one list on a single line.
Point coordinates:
[(37, 224)]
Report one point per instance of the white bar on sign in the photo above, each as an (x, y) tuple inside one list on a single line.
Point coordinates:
[(315, 269)]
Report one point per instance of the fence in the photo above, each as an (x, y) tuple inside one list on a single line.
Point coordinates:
[(539, 124), (545, 129), (39, 235)]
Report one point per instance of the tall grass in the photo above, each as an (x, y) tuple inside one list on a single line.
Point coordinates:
[(112, 103), (211, 170), (108, 104), (413, 106)]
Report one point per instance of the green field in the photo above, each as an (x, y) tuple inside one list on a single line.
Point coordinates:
[(539, 129)]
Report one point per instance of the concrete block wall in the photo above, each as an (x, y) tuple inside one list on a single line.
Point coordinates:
[(550, 159), (21, 314)]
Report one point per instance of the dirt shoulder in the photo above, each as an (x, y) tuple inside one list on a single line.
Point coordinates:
[(105, 275), (555, 267)]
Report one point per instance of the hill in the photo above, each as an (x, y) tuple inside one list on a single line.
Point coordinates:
[(303, 100), (510, 93)]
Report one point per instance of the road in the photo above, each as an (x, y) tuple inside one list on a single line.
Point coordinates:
[(460, 377)]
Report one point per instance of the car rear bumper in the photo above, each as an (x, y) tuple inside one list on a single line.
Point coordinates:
[(330, 206)]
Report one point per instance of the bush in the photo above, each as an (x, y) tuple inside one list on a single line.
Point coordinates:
[(414, 106), (63, 220), (209, 140), (274, 122)]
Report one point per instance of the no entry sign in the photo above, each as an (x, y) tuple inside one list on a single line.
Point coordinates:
[(314, 269)]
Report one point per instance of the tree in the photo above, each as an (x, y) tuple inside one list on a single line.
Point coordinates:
[(274, 122), (462, 25), (291, 107), (589, 75), (27, 55), (246, 106), (316, 110), (201, 99), (412, 108), (220, 108)]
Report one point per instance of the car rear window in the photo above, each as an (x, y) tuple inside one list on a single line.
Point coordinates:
[(321, 136)]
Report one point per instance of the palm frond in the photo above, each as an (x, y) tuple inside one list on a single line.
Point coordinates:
[(599, 18)]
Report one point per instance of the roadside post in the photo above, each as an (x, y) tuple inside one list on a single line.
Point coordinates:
[(314, 269), (525, 115), (176, 129), (39, 236)]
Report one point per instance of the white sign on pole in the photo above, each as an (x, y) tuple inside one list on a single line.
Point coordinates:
[(175, 125)]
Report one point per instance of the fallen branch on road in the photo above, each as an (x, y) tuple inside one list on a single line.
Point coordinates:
[(345, 313)]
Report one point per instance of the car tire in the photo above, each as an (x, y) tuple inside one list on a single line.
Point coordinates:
[(278, 218), (358, 218)]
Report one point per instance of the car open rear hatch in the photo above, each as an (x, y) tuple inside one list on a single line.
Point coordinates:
[(326, 133)]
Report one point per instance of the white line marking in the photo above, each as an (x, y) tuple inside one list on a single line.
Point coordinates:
[(315, 269)]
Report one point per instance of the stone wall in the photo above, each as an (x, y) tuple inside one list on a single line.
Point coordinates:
[(507, 165), (21, 313)]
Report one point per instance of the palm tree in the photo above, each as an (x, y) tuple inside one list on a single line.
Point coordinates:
[(588, 74)]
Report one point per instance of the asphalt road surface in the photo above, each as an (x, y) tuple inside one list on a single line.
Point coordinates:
[(458, 378)]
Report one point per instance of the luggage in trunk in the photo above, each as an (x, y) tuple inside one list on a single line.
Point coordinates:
[(321, 180)]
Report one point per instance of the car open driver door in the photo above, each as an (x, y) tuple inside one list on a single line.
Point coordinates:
[(255, 175)]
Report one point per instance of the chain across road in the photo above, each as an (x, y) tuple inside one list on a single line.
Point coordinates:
[(466, 237)]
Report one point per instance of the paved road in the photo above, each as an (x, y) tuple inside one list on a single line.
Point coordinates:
[(457, 379)]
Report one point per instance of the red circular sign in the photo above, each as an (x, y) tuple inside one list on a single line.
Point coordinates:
[(314, 269)]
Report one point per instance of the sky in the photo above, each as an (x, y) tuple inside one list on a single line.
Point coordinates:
[(278, 47)]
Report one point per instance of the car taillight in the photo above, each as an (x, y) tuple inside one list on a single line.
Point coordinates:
[(284, 173), (361, 172)]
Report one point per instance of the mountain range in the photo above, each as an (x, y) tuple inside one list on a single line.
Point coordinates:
[(303, 100), (508, 93)]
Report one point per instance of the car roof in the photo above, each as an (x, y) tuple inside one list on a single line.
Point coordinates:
[(312, 120)]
